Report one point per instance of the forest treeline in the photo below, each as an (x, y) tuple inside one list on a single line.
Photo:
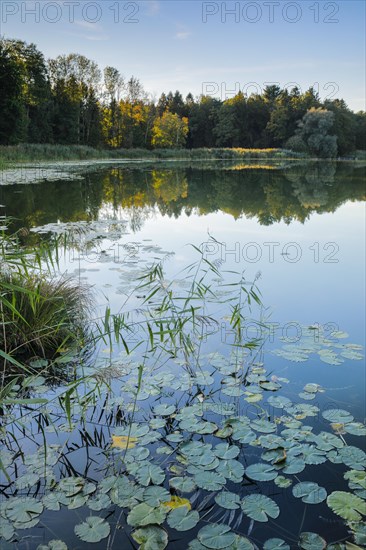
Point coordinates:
[(70, 100)]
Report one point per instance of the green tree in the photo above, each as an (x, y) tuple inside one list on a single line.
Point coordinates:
[(202, 117), (344, 126), (314, 133), (13, 122), (35, 92), (360, 130), (76, 85), (169, 131)]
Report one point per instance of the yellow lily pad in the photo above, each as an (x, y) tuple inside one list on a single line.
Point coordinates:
[(123, 442), (177, 502)]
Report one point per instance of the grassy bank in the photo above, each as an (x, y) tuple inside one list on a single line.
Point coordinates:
[(10, 155)]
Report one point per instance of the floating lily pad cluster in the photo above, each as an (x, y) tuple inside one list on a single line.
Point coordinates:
[(185, 445), (172, 456), (318, 341)]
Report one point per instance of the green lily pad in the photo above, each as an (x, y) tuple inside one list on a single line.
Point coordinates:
[(309, 492), (276, 544), (211, 481), (261, 472), (311, 541), (260, 507), (93, 529), (232, 470), (6, 529), (53, 501), (164, 410), (353, 457), (293, 465), (183, 519), (263, 426), (99, 503), (154, 495), (338, 416), (283, 482), (151, 537), (226, 451), (143, 514), (53, 545), (23, 509), (183, 484), (346, 505), (241, 543), (312, 455), (149, 473), (279, 402), (355, 428), (357, 477), (27, 480), (228, 500), (216, 536)]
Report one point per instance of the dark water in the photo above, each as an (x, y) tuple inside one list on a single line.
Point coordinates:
[(301, 227)]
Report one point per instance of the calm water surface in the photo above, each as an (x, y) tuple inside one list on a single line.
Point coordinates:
[(301, 230)]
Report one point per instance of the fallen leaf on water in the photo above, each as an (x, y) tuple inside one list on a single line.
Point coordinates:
[(177, 502), (123, 442)]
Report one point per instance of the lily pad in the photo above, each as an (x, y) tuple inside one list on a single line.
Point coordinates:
[(183, 484), (211, 481), (155, 495), (143, 514), (53, 545), (101, 502), (226, 451), (283, 482), (149, 473), (311, 541), (164, 410), (261, 472), (346, 505), (338, 415), (151, 537), (216, 536), (276, 544), (260, 507), (353, 457), (228, 500), (309, 492), (22, 510), (182, 519), (93, 529)]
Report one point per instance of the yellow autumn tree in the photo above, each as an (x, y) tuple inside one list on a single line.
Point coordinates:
[(169, 131)]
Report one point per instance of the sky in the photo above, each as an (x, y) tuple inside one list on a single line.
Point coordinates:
[(210, 47)]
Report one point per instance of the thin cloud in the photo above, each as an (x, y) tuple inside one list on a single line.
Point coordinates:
[(182, 35), (90, 37), (89, 26)]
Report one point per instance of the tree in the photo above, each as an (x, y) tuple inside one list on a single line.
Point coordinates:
[(202, 121), (344, 125), (35, 93), (313, 133), (76, 85), (13, 123), (360, 130), (169, 131)]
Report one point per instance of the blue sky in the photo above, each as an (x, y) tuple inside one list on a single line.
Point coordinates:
[(200, 46)]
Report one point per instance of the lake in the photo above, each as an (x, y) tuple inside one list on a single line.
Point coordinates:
[(228, 439)]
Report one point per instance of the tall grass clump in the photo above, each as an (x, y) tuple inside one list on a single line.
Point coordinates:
[(40, 316), (42, 312)]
